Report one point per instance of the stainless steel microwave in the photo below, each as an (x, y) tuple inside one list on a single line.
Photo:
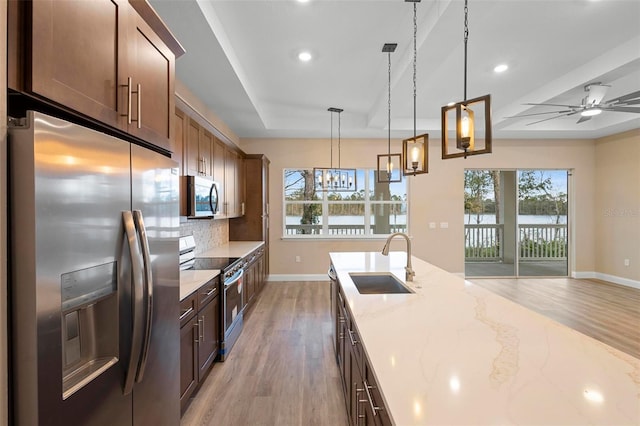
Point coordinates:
[(201, 197)]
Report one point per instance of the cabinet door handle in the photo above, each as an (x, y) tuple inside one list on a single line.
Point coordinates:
[(353, 341), (203, 339), (128, 114), (139, 120), (374, 408), (200, 329), (197, 338)]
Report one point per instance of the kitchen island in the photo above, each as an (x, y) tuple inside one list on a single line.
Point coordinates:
[(455, 353)]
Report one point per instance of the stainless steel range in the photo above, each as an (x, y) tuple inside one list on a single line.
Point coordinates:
[(232, 273)]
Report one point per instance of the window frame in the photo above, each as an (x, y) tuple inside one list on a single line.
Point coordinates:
[(324, 202)]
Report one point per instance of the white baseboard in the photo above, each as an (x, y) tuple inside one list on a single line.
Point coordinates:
[(606, 277), (297, 277)]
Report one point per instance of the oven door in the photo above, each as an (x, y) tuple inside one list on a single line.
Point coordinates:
[(232, 298)]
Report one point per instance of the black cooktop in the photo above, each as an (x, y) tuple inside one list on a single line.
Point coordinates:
[(221, 263)]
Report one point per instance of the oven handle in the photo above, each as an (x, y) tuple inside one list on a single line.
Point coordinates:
[(234, 278)]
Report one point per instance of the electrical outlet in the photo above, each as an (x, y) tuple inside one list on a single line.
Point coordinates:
[(298, 259), (444, 225), (626, 262), (432, 225)]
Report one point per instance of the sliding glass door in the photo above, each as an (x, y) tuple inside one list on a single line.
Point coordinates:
[(516, 223), (542, 223)]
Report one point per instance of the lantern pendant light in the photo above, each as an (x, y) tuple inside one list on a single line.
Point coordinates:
[(415, 150), (335, 179), (389, 165), (468, 114)]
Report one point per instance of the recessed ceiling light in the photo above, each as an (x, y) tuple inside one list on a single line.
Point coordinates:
[(501, 68), (304, 56)]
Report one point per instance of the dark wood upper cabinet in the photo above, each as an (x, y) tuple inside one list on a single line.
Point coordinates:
[(76, 56), (102, 59), (152, 71)]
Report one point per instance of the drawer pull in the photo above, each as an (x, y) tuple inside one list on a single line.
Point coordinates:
[(353, 341), (186, 313), (210, 292), (370, 398)]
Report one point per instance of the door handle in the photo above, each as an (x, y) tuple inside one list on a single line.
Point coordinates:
[(137, 270), (146, 256)]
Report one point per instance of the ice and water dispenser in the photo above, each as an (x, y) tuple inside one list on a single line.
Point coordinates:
[(89, 325)]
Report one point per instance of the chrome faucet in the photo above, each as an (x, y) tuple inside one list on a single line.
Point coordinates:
[(385, 251)]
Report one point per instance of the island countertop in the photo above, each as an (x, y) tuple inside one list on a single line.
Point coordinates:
[(455, 353)]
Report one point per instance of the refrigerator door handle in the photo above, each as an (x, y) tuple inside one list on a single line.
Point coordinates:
[(137, 269), (142, 232)]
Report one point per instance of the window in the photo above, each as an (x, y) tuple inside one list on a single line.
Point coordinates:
[(371, 209)]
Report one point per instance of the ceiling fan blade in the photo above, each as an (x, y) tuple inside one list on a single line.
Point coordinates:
[(583, 119), (546, 119), (623, 109), (540, 113), (557, 105), (629, 96)]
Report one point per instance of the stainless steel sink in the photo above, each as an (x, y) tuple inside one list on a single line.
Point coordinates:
[(378, 283)]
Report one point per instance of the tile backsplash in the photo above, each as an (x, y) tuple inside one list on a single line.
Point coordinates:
[(207, 233)]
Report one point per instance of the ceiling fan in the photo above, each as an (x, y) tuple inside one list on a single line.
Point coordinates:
[(591, 105)]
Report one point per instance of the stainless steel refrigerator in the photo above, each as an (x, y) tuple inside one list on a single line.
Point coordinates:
[(94, 300)]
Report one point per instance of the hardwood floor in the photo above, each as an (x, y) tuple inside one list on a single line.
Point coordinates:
[(607, 312), (282, 370)]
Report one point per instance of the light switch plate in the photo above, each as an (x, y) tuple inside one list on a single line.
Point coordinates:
[(432, 225), (444, 225)]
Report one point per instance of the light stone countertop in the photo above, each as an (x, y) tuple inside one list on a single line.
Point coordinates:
[(191, 280), (455, 353), (232, 249)]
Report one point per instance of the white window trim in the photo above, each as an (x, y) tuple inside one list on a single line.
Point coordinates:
[(368, 206)]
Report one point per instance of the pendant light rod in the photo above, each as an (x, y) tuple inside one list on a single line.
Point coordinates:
[(339, 149), (415, 60), (332, 110), (466, 38), (389, 48), (415, 57)]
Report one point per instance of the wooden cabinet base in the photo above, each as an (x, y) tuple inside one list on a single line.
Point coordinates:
[(363, 398), (199, 338)]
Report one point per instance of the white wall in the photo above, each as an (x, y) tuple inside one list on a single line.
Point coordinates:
[(435, 197), (617, 188)]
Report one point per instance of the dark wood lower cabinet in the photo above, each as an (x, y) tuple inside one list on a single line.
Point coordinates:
[(254, 276), (188, 361), (363, 397), (208, 340), (199, 337)]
